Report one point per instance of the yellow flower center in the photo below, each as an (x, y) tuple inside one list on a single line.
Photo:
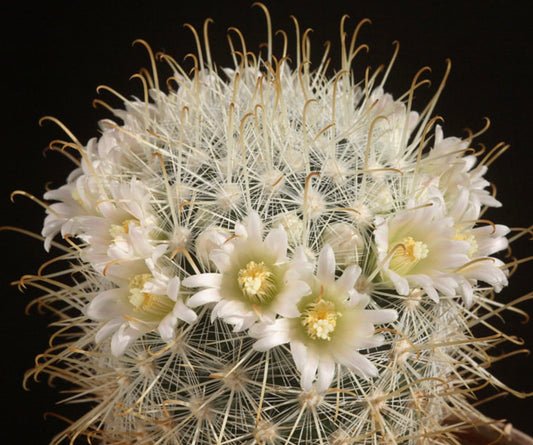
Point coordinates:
[(145, 302), (407, 255), (320, 319), (117, 230), (467, 236), (256, 282)]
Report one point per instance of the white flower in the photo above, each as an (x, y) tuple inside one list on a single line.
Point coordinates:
[(331, 326), (209, 240), (123, 229), (76, 199), (417, 248), (256, 280), (391, 127), (484, 241), (149, 300), (460, 181)]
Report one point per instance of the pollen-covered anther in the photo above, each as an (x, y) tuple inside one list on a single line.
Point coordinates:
[(256, 282), (320, 319), (158, 305), (407, 255)]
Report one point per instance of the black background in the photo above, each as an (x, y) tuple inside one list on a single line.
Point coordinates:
[(54, 55)]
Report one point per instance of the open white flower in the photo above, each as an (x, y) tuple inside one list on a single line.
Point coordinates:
[(418, 247), (149, 300), (256, 280), (330, 327)]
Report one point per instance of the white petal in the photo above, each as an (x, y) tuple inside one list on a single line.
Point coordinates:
[(227, 308), (107, 329), (308, 371), (203, 297), (268, 338), (276, 243), (173, 288), (221, 258), (158, 252), (237, 323), (167, 327), (123, 338), (108, 304), (358, 363), (240, 230), (203, 280), (254, 227), (380, 315), (347, 280), (400, 283), (183, 312), (326, 373), (299, 353), (326, 264), (489, 272), (285, 303), (467, 292)]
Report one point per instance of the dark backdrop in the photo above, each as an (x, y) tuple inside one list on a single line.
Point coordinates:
[(54, 55)]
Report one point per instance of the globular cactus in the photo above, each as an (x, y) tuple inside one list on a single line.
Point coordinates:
[(270, 254)]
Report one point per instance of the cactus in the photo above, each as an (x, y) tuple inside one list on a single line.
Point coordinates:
[(270, 254)]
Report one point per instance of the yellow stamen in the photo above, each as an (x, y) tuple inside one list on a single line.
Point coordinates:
[(320, 319), (467, 236), (150, 304), (256, 282), (117, 230), (407, 255)]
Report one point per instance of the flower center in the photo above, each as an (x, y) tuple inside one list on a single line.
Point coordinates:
[(467, 236), (117, 230), (320, 319), (407, 255), (256, 282), (145, 302)]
